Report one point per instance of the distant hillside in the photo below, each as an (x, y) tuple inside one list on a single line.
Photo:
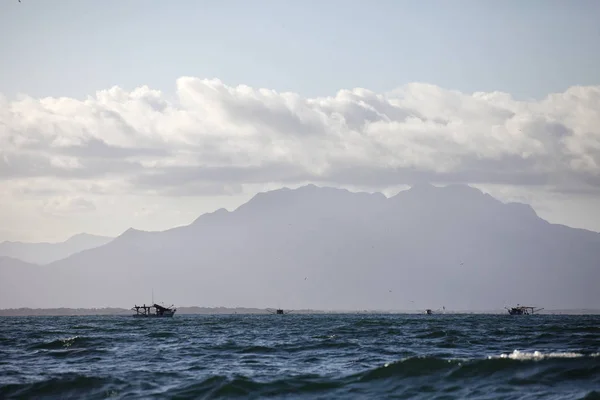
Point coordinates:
[(9, 262), (324, 248), (44, 253)]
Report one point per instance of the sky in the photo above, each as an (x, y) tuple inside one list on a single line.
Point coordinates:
[(147, 114)]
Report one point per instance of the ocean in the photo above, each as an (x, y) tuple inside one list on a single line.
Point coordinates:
[(338, 356)]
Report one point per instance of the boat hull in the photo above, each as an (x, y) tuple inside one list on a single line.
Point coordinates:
[(159, 311), (170, 315), (523, 310)]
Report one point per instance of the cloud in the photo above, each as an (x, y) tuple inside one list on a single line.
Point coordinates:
[(212, 138)]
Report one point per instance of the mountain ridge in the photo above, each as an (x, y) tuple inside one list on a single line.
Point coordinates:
[(326, 248), (72, 238), (46, 252)]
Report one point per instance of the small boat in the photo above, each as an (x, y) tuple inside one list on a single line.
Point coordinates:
[(277, 311), (158, 312), (523, 310), (429, 311)]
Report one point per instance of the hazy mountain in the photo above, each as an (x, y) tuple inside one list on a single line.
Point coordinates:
[(324, 248), (44, 253), (9, 262)]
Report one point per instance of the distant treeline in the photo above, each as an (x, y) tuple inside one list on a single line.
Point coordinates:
[(23, 312), (122, 311), (62, 311)]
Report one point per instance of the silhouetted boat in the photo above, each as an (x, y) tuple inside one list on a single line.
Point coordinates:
[(522, 310), (277, 311), (158, 312), (429, 311)]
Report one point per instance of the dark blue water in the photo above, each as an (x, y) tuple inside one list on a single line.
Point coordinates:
[(301, 356)]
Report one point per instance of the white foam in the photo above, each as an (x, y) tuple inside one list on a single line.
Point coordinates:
[(537, 355), (67, 342)]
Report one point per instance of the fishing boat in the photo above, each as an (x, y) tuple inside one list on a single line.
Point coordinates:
[(153, 311), (523, 310), (429, 311), (277, 311)]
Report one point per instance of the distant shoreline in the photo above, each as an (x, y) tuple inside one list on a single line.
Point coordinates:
[(51, 312)]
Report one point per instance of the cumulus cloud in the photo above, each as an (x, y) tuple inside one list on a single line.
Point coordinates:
[(212, 138)]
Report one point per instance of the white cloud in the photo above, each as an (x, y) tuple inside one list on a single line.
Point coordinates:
[(217, 134), (213, 139)]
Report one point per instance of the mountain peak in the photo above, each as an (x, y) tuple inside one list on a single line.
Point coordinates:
[(45, 253), (131, 232), (216, 213), (461, 191), (87, 237), (80, 235), (308, 197)]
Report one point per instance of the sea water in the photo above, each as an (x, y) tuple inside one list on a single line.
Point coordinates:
[(301, 356)]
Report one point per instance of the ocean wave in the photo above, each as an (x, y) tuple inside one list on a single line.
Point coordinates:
[(244, 387), (452, 368), (60, 343), (258, 350), (74, 346), (301, 357), (468, 377), (413, 376), (538, 355), (161, 335), (66, 386)]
